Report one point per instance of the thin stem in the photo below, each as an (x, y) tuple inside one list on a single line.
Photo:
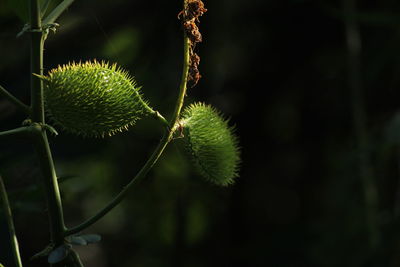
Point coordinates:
[(154, 113), (51, 188), (14, 133), (184, 80), (40, 141), (139, 177), (11, 228), (161, 118), (37, 46), (22, 107), (168, 135), (353, 40), (75, 259)]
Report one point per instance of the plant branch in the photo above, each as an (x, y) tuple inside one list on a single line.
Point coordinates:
[(40, 141), (160, 118), (37, 46), (167, 137), (14, 133), (184, 80), (75, 259), (24, 108), (11, 228), (139, 177), (51, 188)]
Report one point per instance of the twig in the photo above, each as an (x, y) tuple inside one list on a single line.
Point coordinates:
[(75, 259), (11, 228), (51, 188), (14, 133), (24, 108), (37, 47), (40, 141)]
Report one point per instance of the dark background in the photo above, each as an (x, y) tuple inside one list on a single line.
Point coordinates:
[(282, 72)]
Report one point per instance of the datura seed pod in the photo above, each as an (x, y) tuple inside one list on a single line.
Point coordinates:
[(211, 143), (93, 99)]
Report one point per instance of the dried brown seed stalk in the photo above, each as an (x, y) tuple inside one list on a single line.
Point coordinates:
[(193, 9)]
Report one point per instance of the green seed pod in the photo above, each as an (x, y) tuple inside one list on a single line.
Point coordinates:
[(211, 143), (93, 99)]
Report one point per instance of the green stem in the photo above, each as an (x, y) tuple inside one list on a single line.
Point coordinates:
[(51, 188), (365, 167), (75, 259), (37, 46), (24, 108), (142, 174), (11, 228), (159, 117), (168, 135), (184, 80), (14, 133), (154, 113), (40, 141)]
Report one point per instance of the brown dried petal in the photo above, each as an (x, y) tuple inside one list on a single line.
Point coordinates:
[(194, 59), (195, 9), (192, 31)]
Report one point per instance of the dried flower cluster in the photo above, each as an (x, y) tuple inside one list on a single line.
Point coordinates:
[(193, 9)]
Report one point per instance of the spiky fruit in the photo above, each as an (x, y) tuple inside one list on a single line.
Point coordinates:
[(93, 98), (211, 143)]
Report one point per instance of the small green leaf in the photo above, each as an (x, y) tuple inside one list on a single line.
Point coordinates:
[(58, 254), (57, 11), (78, 240), (26, 28), (42, 77), (1, 265), (50, 129), (91, 238)]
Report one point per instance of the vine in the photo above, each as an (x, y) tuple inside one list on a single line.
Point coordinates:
[(104, 81)]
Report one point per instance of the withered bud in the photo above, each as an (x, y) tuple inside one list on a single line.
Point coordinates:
[(195, 9), (194, 59), (192, 31), (194, 73)]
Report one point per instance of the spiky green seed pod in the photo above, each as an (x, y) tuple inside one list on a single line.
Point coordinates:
[(93, 99), (211, 143)]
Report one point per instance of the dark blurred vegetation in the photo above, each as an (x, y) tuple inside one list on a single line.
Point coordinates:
[(315, 118)]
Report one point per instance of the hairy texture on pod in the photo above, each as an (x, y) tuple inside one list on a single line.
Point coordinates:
[(93, 99), (211, 143)]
